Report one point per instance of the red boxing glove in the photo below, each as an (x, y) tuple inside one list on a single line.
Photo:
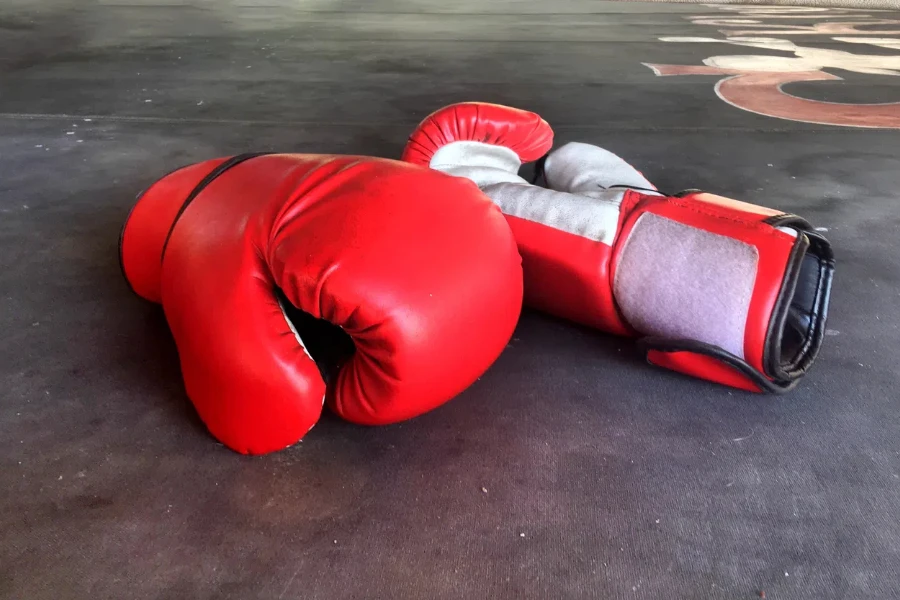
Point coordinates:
[(713, 287), (288, 280)]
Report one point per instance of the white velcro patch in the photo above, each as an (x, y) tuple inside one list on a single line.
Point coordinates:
[(683, 283)]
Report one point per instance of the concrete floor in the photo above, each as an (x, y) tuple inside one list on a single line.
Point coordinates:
[(605, 477)]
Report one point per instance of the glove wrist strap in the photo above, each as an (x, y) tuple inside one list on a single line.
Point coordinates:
[(725, 297)]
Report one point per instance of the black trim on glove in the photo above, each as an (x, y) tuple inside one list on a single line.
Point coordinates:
[(810, 265), (812, 256), (212, 176), (633, 187), (540, 172), (137, 200), (659, 344)]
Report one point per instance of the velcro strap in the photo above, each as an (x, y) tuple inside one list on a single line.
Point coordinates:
[(702, 328), (679, 282)]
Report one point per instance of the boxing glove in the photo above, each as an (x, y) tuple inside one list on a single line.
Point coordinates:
[(712, 287), (380, 288)]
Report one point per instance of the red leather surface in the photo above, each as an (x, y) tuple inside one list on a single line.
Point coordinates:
[(567, 275), (523, 132), (702, 367), (418, 267), (154, 212)]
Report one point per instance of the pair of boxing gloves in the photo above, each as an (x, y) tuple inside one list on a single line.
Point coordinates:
[(384, 288)]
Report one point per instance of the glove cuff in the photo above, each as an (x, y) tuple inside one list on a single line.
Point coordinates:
[(714, 281)]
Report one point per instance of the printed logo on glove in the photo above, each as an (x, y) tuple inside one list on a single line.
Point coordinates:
[(381, 288), (712, 287)]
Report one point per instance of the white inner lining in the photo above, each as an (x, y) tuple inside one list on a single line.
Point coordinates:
[(485, 164)]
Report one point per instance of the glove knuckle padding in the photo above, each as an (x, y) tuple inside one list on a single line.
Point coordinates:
[(416, 267), (395, 319)]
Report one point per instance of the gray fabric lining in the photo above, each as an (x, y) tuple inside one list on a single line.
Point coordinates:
[(680, 282), (485, 164), (579, 168), (593, 216)]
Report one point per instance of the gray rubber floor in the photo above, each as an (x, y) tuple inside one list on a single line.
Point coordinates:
[(572, 469)]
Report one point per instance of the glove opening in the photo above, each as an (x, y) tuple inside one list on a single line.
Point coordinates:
[(795, 332), (800, 313), (328, 344), (798, 326)]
